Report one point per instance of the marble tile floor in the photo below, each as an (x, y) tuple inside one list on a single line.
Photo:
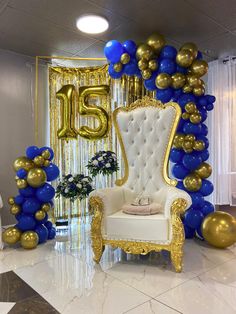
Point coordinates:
[(61, 277)]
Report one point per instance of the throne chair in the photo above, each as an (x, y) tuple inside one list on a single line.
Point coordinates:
[(145, 131)]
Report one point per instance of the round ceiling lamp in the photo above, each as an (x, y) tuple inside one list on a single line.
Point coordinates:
[(92, 24)]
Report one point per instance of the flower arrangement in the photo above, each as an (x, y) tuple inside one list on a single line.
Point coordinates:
[(73, 187), (104, 162)]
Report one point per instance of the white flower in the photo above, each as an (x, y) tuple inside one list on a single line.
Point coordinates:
[(113, 155), (79, 186), (100, 158), (104, 154), (108, 165), (95, 162), (85, 179), (66, 190), (71, 179)]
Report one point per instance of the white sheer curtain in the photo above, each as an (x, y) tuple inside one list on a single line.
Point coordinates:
[(222, 130)]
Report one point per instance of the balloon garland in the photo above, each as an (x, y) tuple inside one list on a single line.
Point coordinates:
[(35, 198), (175, 76)]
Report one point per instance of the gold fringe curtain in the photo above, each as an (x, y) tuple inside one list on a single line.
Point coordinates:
[(72, 156)]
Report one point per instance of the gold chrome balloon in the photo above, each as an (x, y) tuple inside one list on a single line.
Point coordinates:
[(188, 146), (184, 58), (199, 145), (199, 90), (199, 67), (190, 107), (204, 170), (46, 154), (178, 80), (39, 161), (125, 58), (145, 52), (156, 41), (46, 207), (193, 80), (178, 140), (11, 200), (192, 182), (185, 115), (152, 65), (142, 64), (46, 163), (23, 163), (15, 209), (219, 229), (163, 80), (190, 137), (11, 235), (21, 183), (40, 215), (195, 118), (36, 177), (29, 240), (192, 47), (118, 67), (187, 89), (146, 74)]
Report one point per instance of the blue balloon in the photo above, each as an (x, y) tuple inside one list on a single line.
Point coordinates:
[(32, 151), (130, 47), (43, 221), (204, 154), (168, 52), (150, 83), (45, 193), (199, 55), (49, 149), (167, 66), (180, 185), (199, 233), (210, 98), (207, 208), (113, 73), (202, 101), (52, 172), (203, 113), (192, 161), (51, 233), (48, 225), (19, 199), (197, 200), (181, 125), (27, 192), (18, 216), (179, 171), (42, 233), (191, 128), (193, 218), (209, 107), (176, 155), (21, 173), (131, 67), (26, 223), (164, 95), (204, 129), (31, 205), (177, 93), (189, 232), (207, 187), (181, 69), (113, 51), (185, 98), (204, 139)]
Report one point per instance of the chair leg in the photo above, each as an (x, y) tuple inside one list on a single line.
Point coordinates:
[(98, 251), (177, 259)]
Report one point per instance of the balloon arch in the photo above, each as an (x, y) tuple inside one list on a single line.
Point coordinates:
[(175, 76)]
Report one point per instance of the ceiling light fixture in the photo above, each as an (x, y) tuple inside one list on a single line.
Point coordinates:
[(92, 24)]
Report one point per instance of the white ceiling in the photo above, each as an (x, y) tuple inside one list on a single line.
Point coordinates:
[(48, 27)]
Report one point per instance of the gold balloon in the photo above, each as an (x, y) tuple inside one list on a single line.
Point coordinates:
[(36, 177), (145, 52), (46, 207), (156, 41), (125, 58), (142, 64), (204, 170), (178, 140), (146, 74), (190, 107), (190, 137), (185, 115), (184, 58), (152, 65), (21, 183), (11, 235), (118, 67), (39, 161), (199, 145), (195, 118), (15, 209), (192, 182), (87, 110), (187, 89), (192, 47), (11, 200), (46, 163), (46, 154), (23, 163), (178, 80), (193, 80), (163, 80), (219, 229), (199, 67), (40, 215), (187, 145), (29, 240), (199, 90)]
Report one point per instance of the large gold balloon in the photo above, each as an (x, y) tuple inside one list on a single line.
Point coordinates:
[(219, 229), (125, 58), (21, 183), (199, 67), (36, 177), (142, 64), (193, 80), (178, 140), (152, 65), (195, 118), (23, 163), (199, 90), (187, 88), (15, 209), (29, 240), (46, 207), (11, 235), (178, 80), (40, 215), (190, 107), (163, 80), (117, 67), (188, 146), (192, 182), (204, 170), (192, 47), (156, 41), (46, 154), (11, 200), (145, 52), (146, 74), (39, 161), (184, 58), (199, 145)]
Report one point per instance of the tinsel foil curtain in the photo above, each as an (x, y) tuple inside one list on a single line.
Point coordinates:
[(72, 156)]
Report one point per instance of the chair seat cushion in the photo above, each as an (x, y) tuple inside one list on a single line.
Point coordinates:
[(144, 228), (150, 209)]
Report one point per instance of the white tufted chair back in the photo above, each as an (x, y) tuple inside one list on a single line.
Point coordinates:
[(146, 130)]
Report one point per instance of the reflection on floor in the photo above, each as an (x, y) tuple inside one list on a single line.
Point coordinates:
[(62, 274)]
